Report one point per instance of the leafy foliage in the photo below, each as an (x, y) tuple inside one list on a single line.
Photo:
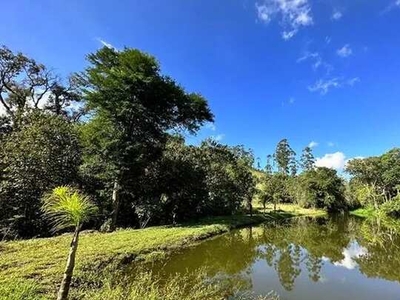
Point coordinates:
[(322, 188), (67, 207), (312, 188), (134, 105), (42, 154), (375, 181)]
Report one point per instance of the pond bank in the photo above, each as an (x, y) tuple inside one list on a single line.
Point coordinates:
[(32, 269)]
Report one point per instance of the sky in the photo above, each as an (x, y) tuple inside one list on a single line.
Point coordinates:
[(324, 73)]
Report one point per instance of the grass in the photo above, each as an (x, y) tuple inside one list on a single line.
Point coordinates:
[(32, 269), (291, 210), (35, 267), (364, 212)]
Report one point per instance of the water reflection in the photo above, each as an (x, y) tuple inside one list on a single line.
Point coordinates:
[(326, 258)]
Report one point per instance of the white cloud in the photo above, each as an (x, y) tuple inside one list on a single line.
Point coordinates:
[(293, 14), (328, 40), (106, 44), (393, 5), (345, 51), (313, 144), (218, 137), (316, 61), (331, 144), (2, 110), (350, 254), (337, 15), (324, 85), (335, 161), (211, 126), (353, 81)]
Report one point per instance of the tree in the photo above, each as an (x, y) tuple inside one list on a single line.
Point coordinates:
[(307, 159), (67, 207), (28, 85), (274, 188), (322, 188), (138, 104), (285, 157), (42, 154), (268, 166), (246, 180), (380, 172)]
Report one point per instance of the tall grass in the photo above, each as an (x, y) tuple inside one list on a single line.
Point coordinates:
[(146, 285)]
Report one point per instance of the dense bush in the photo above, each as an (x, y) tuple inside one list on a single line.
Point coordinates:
[(321, 188), (43, 153)]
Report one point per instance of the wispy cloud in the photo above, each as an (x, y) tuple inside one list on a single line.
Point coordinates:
[(313, 144), (331, 144), (211, 126), (345, 51), (328, 40), (337, 15), (391, 6), (106, 44), (316, 60), (293, 14), (289, 101), (353, 81), (218, 137), (324, 85)]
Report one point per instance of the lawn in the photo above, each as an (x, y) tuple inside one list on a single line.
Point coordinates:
[(291, 210)]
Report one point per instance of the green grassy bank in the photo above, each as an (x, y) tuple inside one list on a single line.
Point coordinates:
[(32, 269)]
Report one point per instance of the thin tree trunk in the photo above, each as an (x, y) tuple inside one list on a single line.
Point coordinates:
[(251, 208), (69, 269), (115, 203)]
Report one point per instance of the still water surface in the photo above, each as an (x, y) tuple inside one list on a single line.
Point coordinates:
[(338, 257)]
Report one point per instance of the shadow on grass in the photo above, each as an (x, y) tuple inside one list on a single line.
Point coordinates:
[(236, 221)]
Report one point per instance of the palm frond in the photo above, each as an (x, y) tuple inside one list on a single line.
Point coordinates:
[(67, 207)]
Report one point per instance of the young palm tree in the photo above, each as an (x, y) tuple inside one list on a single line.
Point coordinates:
[(68, 208)]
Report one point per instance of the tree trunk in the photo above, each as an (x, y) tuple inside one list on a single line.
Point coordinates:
[(69, 269), (251, 208), (115, 203)]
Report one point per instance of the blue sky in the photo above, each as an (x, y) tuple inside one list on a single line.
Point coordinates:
[(322, 71)]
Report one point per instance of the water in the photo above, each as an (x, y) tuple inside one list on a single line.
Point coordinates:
[(304, 259)]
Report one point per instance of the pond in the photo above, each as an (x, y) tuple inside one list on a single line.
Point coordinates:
[(340, 257)]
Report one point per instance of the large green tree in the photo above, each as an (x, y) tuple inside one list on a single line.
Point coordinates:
[(135, 105), (285, 158)]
